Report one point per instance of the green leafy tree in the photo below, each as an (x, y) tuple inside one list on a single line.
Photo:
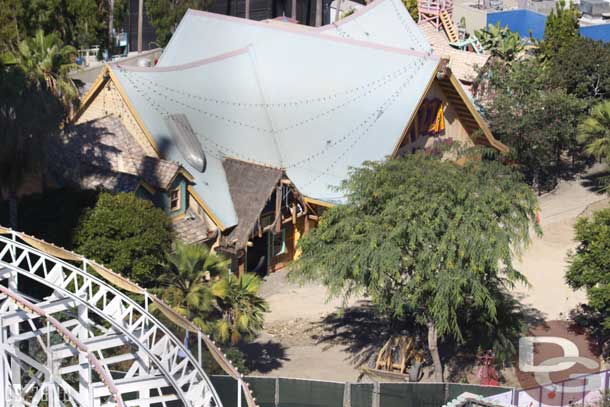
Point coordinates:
[(560, 30), (594, 132), (189, 283), (589, 270), (127, 234), (537, 122), (411, 6), (9, 26), (500, 41), (583, 69), (199, 286), (164, 15), (424, 238), (241, 308), (79, 23), (48, 62)]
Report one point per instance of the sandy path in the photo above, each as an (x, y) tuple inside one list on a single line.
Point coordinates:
[(289, 329), (544, 263)]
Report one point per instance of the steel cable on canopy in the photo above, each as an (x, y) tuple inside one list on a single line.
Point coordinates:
[(294, 103), (415, 65), (413, 68)]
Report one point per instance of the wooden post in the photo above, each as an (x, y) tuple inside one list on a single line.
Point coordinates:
[(278, 209), (294, 9), (318, 13), (306, 225), (376, 394), (247, 9), (241, 267), (140, 22), (296, 237)]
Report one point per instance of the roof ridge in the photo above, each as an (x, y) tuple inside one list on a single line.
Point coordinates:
[(316, 32)]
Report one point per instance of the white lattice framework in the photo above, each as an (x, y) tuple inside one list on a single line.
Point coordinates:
[(81, 342)]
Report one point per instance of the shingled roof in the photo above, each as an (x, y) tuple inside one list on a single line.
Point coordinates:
[(102, 154), (250, 186), (463, 64)]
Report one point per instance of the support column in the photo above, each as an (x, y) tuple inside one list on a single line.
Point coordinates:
[(15, 378), (84, 369), (4, 390)]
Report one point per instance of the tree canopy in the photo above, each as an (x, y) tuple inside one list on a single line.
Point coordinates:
[(537, 121), (165, 15), (198, 285), (594, 132), (589, 270), (561, 29), (582, 69), (127, 234), (423, 237), (80, 23)]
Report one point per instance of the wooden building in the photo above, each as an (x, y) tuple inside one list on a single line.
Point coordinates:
[(269, 116)]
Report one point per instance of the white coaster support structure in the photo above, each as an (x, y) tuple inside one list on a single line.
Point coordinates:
[(82, 342)]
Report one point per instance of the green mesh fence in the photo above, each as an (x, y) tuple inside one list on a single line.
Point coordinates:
[(226, 387), (313, 393), (361, 395), (306, 393), (411, 395), (263, 389)]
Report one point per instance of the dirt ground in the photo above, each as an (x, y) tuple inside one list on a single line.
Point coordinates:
[(307, 336)]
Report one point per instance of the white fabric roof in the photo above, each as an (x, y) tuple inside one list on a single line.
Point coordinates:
[(312, 102), (203, 35)]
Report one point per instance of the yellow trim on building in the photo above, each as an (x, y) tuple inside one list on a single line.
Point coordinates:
[(405, 132), (206, 208), (133, 111), (87, 98), (477, 116), (318, 202)]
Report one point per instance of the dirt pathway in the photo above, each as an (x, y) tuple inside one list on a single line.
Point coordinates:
[(544, 263)]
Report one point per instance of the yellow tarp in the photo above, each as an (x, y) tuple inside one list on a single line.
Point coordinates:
[(51, 249), (116, 279)]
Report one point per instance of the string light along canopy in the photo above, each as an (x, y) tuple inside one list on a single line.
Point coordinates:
[(311, 101)]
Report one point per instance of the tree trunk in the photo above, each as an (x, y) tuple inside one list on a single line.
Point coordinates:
[(433, 348), (12, 210), (318, 13), (110, 24), (247, 10), (294, 9)]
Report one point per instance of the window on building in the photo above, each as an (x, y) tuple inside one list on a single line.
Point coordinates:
[(174, 199)]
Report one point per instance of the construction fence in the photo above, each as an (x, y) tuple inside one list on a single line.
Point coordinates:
[(286, 392)]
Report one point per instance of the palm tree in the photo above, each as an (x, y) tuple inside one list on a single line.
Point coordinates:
[(241, 308), (199, 286), (187, 285), (594, 131), (48, 62)]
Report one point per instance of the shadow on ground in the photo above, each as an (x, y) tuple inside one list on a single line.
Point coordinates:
[(362, 332), (264, 357), (597, 181)]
